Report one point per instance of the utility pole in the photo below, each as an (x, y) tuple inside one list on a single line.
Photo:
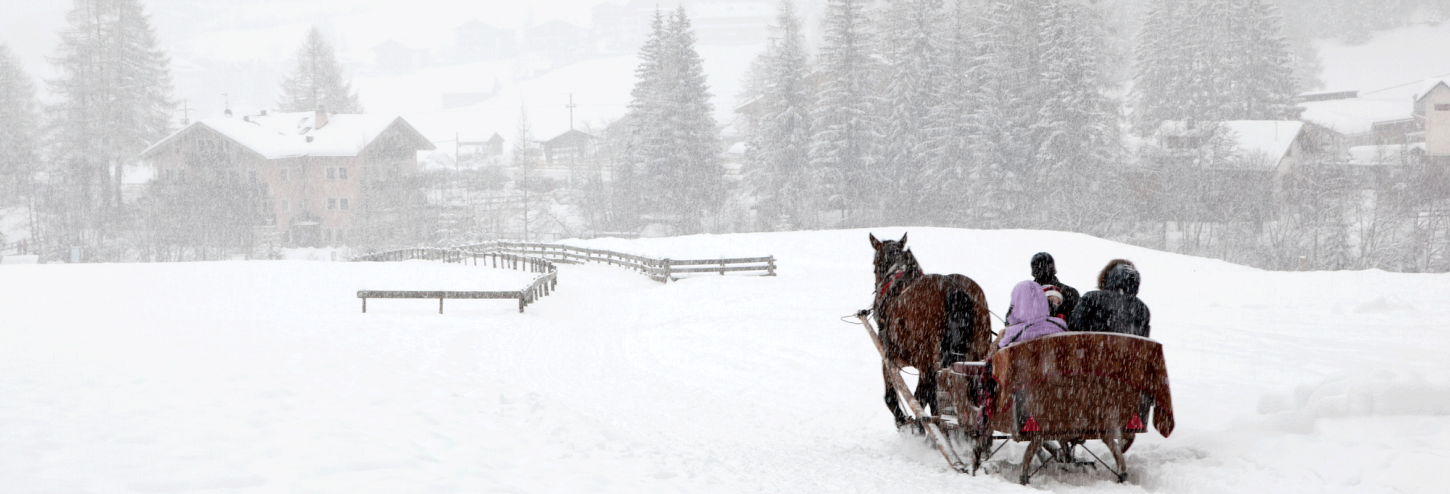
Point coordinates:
[(185, 112), (571, 107)]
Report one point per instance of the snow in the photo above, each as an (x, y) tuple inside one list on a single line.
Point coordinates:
[(264, 376), (1387, 154), (1267, 138), (285, 135), (1356, 115), (1391, 65)]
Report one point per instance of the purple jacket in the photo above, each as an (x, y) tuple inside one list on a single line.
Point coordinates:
[(1029, 318)]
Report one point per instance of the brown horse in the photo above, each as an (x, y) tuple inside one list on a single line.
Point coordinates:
[(926, 321)]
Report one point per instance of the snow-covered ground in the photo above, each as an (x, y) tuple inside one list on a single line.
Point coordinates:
[(265, 377)]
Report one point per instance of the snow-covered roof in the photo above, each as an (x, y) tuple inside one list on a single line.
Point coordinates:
[(1388, 154), (1429, 85), (1270, 138), (1253, 138), (285, 135), (1353, 115)]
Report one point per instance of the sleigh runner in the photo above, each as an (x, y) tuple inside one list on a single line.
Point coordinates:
[(1066, 388)]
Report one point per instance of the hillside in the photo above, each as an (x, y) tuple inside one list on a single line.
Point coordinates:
[(265, 377)]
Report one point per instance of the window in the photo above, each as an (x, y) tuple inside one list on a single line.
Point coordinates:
[(286, 206), (342, 204), (1442, 106), (283, 174), (331, 204), (342, 174), (331, 173)]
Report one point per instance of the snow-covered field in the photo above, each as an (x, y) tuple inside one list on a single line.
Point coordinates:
[(265, 377)]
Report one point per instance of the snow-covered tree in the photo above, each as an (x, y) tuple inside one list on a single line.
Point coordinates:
[(112, 99), (846, 140), (1163, 64), (952, 191), (778, 142), (912, 54), (317, 81), (1076, 132), (674, 144), (18, 138)]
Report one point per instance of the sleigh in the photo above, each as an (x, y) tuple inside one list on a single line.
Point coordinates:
[(1055, 392)]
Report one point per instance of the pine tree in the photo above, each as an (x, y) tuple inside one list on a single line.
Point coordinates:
[(952, 191), (18, 118), (1265, 85), (845, 145), (112, 99), (644, 125), (317, 81), (1007, 77), (1077, 128), (913, 60), (777, 153), (691, 179), (673, 145), (1163, 67)]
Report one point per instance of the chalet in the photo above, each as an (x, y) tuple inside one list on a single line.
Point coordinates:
[(567, 148), (1229, 171), (313, 166), (559, 41), (476, 40), (1432, 113), (397, 58)]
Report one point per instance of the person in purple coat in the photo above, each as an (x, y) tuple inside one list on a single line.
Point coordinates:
[(1030, 316)]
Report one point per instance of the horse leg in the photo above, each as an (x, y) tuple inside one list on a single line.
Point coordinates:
[(893, 403), (926, 392)]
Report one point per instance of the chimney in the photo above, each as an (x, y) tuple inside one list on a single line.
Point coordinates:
[(228, 113), (264, 113), (320, 119)]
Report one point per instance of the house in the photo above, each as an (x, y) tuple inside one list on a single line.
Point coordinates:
[(315, 168), (1219, 171), (476, 40), (397, 58), (567, 148), (1432, 114), (732, 22), (622, 28), (559, 41)]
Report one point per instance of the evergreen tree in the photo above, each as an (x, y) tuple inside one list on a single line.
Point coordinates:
[(1007, 76), (845, 144), (952, 192), (777, 153), (112, 100), (690, 179), (18, 119), (1077, 128), (913, 57), (317, 81), (1163, 65), (644, 134), (673, 147), (1265, 84)]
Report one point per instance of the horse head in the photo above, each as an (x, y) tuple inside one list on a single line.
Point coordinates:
[(889, 254)]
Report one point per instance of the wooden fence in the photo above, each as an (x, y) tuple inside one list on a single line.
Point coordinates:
[(540, 287), (662, 270)]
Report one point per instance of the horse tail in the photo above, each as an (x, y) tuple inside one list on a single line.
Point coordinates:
[(961, 311)]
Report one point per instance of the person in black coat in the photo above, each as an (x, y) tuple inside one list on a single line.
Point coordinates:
[(1044, 272), (1114, 307)]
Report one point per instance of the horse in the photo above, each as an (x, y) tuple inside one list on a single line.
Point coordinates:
[(926, 321)]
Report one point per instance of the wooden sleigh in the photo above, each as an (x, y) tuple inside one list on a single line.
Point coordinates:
[(1056, 391)]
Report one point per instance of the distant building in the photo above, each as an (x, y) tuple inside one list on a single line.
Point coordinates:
[(476, 40), (397, 58), (312, 165), (568, 148), (559, 41)]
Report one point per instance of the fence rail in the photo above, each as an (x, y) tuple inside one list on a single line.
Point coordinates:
[(542, 286), (663, 270)]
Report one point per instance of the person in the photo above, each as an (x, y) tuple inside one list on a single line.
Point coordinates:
[(1114, 307), (1029, 318), (1044, 272), (1054, 299)]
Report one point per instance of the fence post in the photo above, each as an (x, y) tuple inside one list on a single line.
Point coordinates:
[(770, 267), (666, 262)]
